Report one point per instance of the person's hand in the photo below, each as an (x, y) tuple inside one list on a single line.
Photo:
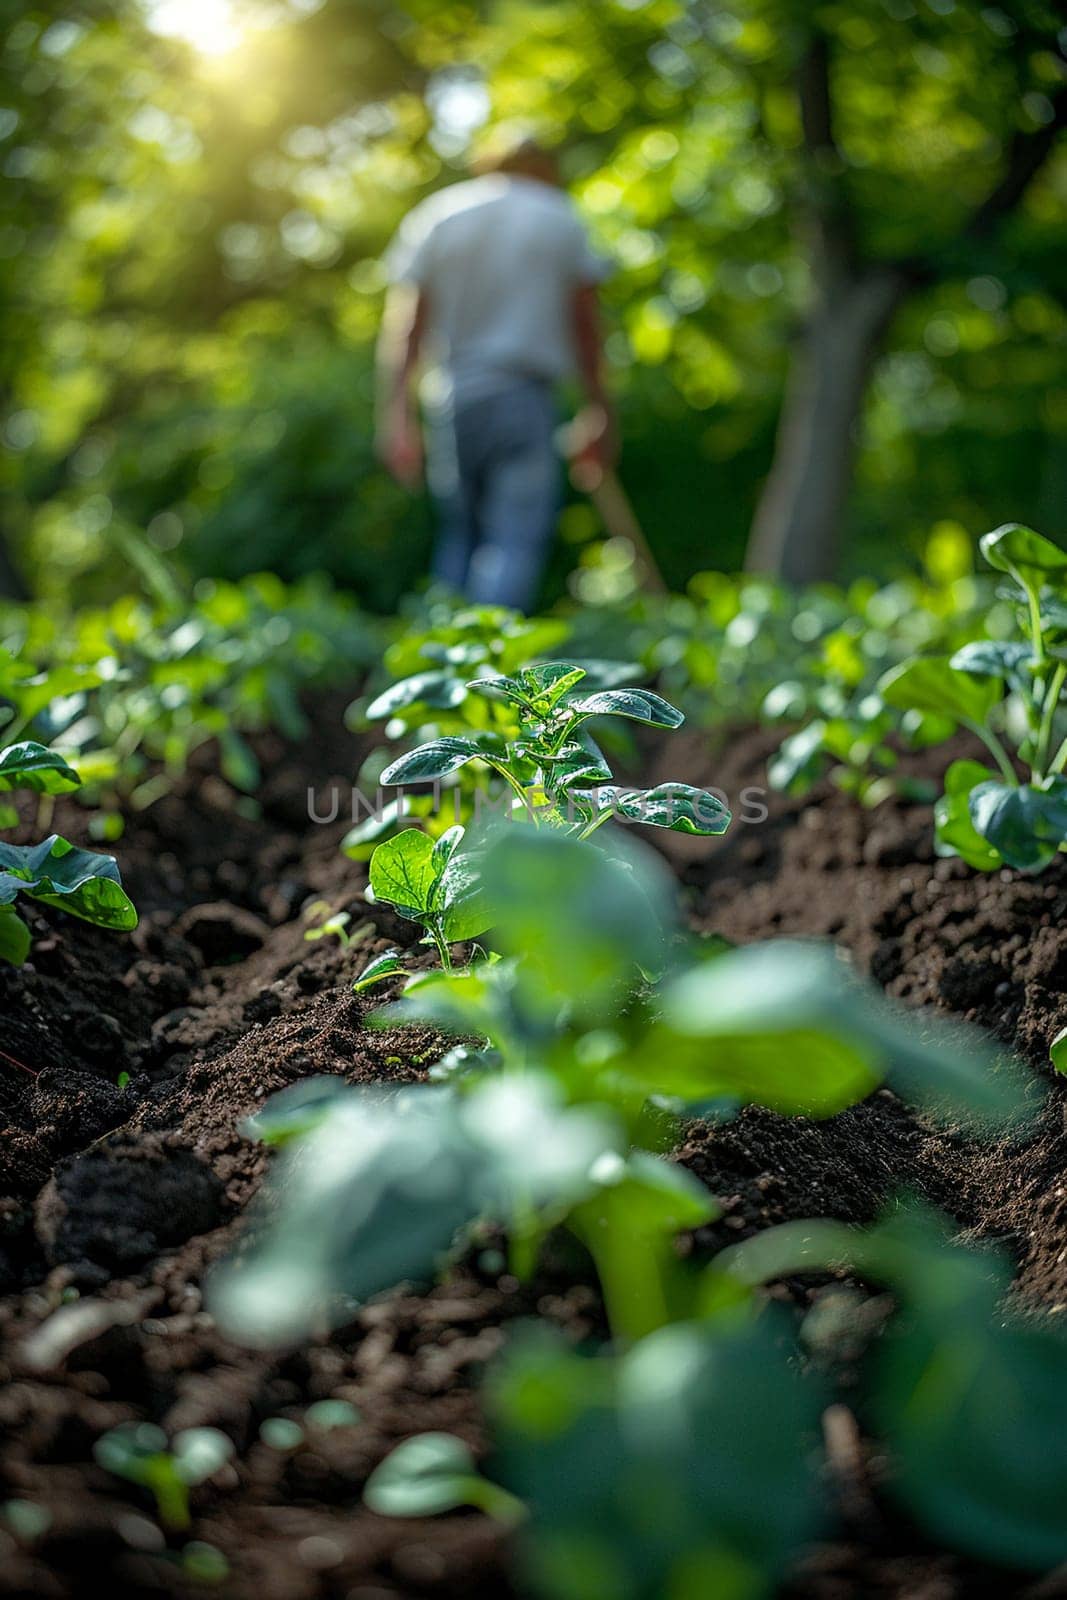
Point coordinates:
[(592, 446), (400, 450)]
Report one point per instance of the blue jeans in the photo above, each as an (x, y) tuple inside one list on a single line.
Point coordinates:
[(494, 473)]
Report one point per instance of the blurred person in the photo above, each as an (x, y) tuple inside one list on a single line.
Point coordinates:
[(493, 289)]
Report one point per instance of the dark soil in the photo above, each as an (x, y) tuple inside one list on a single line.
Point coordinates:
[(115, 1199)]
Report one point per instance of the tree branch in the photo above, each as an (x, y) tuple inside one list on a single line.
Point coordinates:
[(1027, 154)]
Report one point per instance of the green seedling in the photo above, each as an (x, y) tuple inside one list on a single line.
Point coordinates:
[(432, 882), (140, 1452), (389, 964), (435, 1472), (555, 770), (1010, 694), (54, 872), (381, 1188)]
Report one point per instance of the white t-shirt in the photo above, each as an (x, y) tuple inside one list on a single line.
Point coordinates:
[(499, 258)]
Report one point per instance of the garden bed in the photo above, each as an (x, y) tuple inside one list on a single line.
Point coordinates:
[(126, 1194)]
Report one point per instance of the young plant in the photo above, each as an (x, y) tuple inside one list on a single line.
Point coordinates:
[(140, 1452), (553, 766), (1008, 693), (53, 872), (435, 1472), (376, 1188), (431, 882)]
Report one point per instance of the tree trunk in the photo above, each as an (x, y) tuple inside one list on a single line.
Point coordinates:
[(796, 532)]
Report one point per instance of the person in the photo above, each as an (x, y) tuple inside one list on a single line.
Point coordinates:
[(493, 286)]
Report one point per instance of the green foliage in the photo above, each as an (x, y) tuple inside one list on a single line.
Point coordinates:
[(197, 284), (1007, 693), (434, 883), (376, 1188), (969, 1402), (140, 1452), (53, 872), (131, 690), (551, 761), (684, 1467)]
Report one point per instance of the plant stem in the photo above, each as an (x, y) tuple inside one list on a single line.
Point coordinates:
[(496, 1502), (597, 822), (1052, 700), (1037, 637), (1058, 762), (996, 750), (507, 776), (442, 945)]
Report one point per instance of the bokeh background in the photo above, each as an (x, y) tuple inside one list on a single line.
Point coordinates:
[(857, 209)]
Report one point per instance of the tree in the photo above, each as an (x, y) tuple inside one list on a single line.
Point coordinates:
[(855, 296)]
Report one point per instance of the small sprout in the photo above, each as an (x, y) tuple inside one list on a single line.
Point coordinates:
[(138, 1451), (330, 925), (281, 1433), (328, 1414), (122, 1081), (204, 1563), (431, 1473), (26, 1520), (388, 965)]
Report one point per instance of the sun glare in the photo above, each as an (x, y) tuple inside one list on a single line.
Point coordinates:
[(208, 25)]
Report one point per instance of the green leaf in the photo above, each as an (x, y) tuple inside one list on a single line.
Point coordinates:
[(498, 686), (439, 691), (640, 705), (1030, 559), (931, 683), (684, 1468), (14, 937), (389, 964), (1058, 1051), (1025, 823), (445, 848), (460, 900), (431, 1473), (799, 759), (422, 1477), (786, 1024), (996, 658), (293, 1112), (973, 1407), (238, 762), (580, 920), (402, 872), (955, 833), (552, 680), (32, 766), (676, 806), (76, 881), (434, 760)]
